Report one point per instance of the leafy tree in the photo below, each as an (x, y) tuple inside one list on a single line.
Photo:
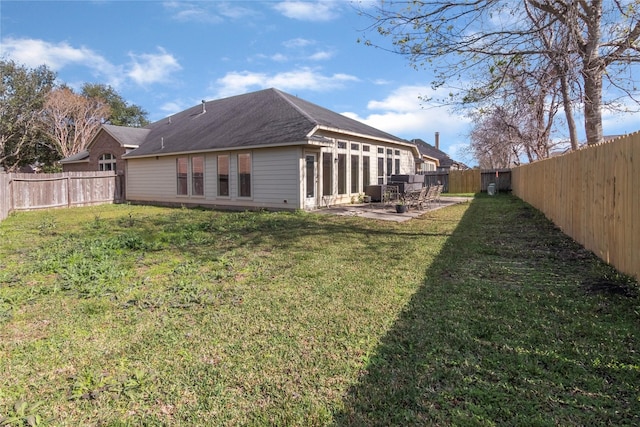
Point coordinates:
[(121, 113), (598, 39), (22, 97)]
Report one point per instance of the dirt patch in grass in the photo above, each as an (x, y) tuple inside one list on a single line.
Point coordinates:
[(608, 286)]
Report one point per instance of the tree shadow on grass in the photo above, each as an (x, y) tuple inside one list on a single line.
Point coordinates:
[(501, 332)]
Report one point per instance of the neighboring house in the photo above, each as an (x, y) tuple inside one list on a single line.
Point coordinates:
[(104, 152), (265, 149), (433, 159)]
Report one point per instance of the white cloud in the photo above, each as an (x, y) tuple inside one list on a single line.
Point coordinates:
[(309, 10), (206, 12), (276, 57), (237, 82), (298, 43), (381, 82), (34, 53), (279, 57), (321, 56), (620, 122), (173, 107), (233, 11), (144, 68), (191, 12), (298, 47), (404, 114), (148, 68)]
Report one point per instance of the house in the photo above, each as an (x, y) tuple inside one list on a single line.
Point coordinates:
[(104, 152), (266, 149), (433, 159)]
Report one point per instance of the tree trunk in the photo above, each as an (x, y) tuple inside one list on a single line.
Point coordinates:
[(593, 104), (592, 71), (568, 112)]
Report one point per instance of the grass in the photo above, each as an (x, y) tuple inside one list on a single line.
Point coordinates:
[(478, 314)]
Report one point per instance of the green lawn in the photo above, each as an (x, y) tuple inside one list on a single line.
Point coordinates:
[(478, 314)]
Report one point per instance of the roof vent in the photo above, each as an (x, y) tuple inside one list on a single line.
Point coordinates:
[(204, 108)]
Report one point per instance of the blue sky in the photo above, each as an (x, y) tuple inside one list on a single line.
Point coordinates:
[(168, 56)]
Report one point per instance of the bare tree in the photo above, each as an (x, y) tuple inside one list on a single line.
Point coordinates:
[(521, 106), (557, 44), (72, 120), (465, 38), (517, 123), (494, 140)]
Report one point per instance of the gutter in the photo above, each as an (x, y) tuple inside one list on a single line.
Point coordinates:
[(224, 149)]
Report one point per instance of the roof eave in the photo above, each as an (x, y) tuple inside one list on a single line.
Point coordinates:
[(433, 159), (68, 162), (224, 149), (363, 135)]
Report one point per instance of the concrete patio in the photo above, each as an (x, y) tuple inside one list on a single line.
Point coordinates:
[(383, 212)]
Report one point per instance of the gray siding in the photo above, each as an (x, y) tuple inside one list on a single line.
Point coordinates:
[(275, 180), (277, 177), (152, 179)]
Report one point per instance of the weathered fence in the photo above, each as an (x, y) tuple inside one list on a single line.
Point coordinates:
[(5, 196), (593, 195), (24, 191), (471, 180)]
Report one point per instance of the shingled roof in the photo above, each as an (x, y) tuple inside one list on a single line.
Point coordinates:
[(265, 118), (429, 150), (128, 137)]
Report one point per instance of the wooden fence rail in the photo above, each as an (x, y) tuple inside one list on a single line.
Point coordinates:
[(593, 195), (22, 191)]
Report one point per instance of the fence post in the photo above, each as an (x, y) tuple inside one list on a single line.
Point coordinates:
[(68, 190), (4, 190)]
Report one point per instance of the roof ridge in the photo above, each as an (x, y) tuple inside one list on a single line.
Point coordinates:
[(286, 97)]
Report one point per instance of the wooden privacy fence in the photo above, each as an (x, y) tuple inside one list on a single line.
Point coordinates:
[(5, 196), (471, 180), (593, 195), (24, 191), (466, 181)]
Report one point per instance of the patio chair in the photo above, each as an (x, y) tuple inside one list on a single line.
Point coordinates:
[(416, 199), (438, 193), (390, 194), (431, 195)]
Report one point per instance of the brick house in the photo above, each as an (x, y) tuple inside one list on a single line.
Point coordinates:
[(104, 152)]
